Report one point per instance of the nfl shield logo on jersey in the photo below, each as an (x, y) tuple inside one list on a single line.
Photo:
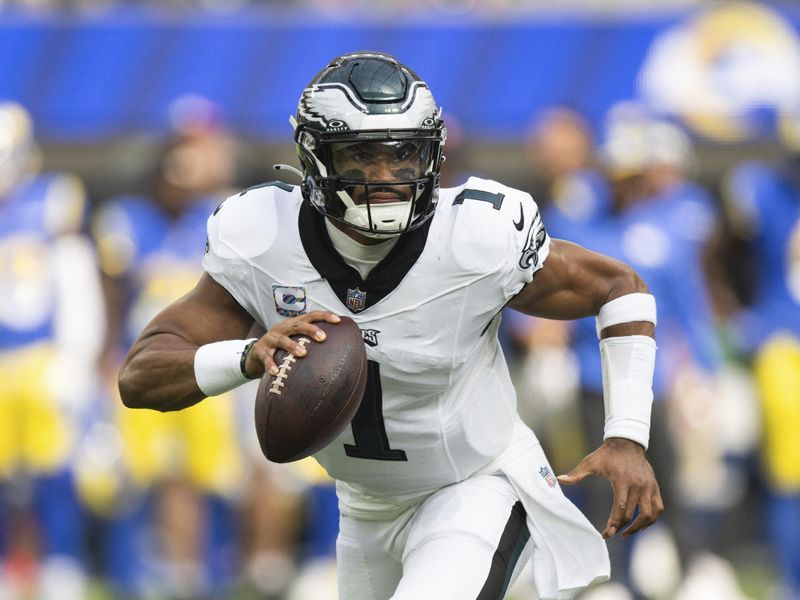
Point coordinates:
[(548, 476), (356, 300), (289, 301)]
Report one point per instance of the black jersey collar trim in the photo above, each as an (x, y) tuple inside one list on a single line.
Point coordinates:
[(343, 278)]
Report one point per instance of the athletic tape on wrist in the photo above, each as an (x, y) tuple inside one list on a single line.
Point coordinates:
[(217, 366), (628, 363), (626, 309)]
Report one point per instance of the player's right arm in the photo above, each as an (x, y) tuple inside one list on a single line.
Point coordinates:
[(181, 344)]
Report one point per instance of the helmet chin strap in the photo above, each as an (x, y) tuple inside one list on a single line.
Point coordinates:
[(395, 213)]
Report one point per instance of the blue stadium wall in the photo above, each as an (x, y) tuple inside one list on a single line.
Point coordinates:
[(94, 77)]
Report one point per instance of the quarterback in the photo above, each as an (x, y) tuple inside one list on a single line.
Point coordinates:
[(444, 492)]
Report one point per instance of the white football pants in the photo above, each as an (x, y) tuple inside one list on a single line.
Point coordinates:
[(467, 541)]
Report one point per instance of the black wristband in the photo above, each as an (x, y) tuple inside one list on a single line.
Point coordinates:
[(243, 359)]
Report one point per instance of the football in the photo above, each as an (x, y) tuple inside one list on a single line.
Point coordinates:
[(313, 398)]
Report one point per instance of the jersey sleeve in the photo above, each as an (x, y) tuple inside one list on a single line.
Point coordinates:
[(221, 262), (241, 229), (500, 232)]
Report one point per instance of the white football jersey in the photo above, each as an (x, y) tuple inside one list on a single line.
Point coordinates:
[(439, 403)]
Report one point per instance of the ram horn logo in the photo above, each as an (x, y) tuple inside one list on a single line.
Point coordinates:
[(726, 72)]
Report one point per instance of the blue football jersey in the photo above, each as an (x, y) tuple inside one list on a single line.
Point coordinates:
[(159, 257), (32, 216), (652, 237), (764, 204)]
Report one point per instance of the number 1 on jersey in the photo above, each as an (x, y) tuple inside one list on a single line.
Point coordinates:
[(369, 431)]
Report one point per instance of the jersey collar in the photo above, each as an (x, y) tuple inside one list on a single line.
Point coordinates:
[(344, 279)]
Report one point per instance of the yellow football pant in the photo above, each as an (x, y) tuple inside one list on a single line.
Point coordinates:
[(34, 435), (198, 443), (777, 373)]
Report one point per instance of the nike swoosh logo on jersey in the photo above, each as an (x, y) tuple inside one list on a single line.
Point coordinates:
[(519, 225)]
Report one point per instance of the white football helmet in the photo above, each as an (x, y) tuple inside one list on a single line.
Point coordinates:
[(370, 139)]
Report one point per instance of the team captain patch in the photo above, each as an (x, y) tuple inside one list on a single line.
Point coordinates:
[(289, 301)]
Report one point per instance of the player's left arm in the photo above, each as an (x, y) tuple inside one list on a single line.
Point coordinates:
[(574, 283)]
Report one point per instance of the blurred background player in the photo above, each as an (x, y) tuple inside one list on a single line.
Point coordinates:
[(560, 148), (51, 324), (172, 531), (762, 205), (639, 206)]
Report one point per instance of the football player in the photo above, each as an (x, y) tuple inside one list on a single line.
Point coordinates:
[(180, 471), (762, 205), (444, 493), (657, 221), (51, 328)]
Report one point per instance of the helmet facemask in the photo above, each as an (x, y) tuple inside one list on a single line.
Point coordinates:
[(381, 183)]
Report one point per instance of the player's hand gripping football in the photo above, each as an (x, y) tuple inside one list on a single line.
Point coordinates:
[(624, 464), (260, 358)]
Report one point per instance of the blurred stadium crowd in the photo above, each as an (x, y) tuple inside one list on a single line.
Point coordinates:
[(485, 6), (98, 501)]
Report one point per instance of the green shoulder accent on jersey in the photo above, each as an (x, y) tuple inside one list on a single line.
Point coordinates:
[(278, 184)]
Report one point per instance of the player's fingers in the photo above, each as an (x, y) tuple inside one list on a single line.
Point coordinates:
[(321, 315), (274, 340), (301, 325), (631, 502), (651, 515), (617, 516), (304, 324), (570, 478), (575, 475), (309, 329), (646, 516), (658, 502), (255, 366), (260, 361), (263, 352)]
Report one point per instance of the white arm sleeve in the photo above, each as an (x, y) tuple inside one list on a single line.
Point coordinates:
[(628, 364)]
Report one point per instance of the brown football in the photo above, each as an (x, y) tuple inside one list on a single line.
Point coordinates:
[(313, 398)]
